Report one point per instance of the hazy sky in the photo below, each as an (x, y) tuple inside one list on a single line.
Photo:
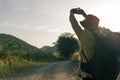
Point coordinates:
[(40, 22)]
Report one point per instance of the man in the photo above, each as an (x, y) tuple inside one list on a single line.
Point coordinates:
[(99, 64), (84, 35)]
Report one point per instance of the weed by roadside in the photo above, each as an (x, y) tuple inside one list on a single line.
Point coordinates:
[(15, 68)]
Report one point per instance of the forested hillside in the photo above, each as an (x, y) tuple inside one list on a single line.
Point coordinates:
[(16, 46), (16, 53), (7, 40)]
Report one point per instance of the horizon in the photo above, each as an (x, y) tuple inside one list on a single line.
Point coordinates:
[(40, 22)]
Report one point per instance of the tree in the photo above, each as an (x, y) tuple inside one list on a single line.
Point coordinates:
[(67, 45)]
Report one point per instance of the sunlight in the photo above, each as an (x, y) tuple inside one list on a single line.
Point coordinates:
[(109, 15)]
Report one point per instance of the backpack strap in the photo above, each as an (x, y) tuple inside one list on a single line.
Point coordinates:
[(85, 56)]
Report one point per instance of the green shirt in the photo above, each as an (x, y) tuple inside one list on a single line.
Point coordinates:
[(86, 39)]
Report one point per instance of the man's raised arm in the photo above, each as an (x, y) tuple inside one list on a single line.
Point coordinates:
[(76, 27)]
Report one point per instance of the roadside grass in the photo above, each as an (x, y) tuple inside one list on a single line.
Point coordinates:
[(74, 66), (74, 62), (20, 64), (15, 68)]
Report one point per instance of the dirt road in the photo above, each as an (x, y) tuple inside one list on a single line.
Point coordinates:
[(53, 71)]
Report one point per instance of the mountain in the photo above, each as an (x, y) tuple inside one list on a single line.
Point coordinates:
[(13, 48), (7, 41), (49, 48)]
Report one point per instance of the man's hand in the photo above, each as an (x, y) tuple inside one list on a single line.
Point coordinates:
[(78, 11)]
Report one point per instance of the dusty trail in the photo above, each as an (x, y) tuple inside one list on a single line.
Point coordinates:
[(53, 71)]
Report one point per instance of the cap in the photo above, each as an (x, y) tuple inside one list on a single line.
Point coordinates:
[(90, 21)]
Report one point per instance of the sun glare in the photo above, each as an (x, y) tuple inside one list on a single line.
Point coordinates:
[(109, 15)]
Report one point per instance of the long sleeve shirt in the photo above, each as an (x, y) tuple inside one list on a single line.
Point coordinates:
[(86, 39)]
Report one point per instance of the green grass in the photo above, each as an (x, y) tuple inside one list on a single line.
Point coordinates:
[(17, 66), (74, 62)]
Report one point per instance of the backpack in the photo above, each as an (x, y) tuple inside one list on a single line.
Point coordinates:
[(107, 54)]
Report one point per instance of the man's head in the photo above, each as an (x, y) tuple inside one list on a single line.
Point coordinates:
[(90, 22)]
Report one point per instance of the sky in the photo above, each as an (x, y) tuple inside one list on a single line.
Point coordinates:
[(40, 22)]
